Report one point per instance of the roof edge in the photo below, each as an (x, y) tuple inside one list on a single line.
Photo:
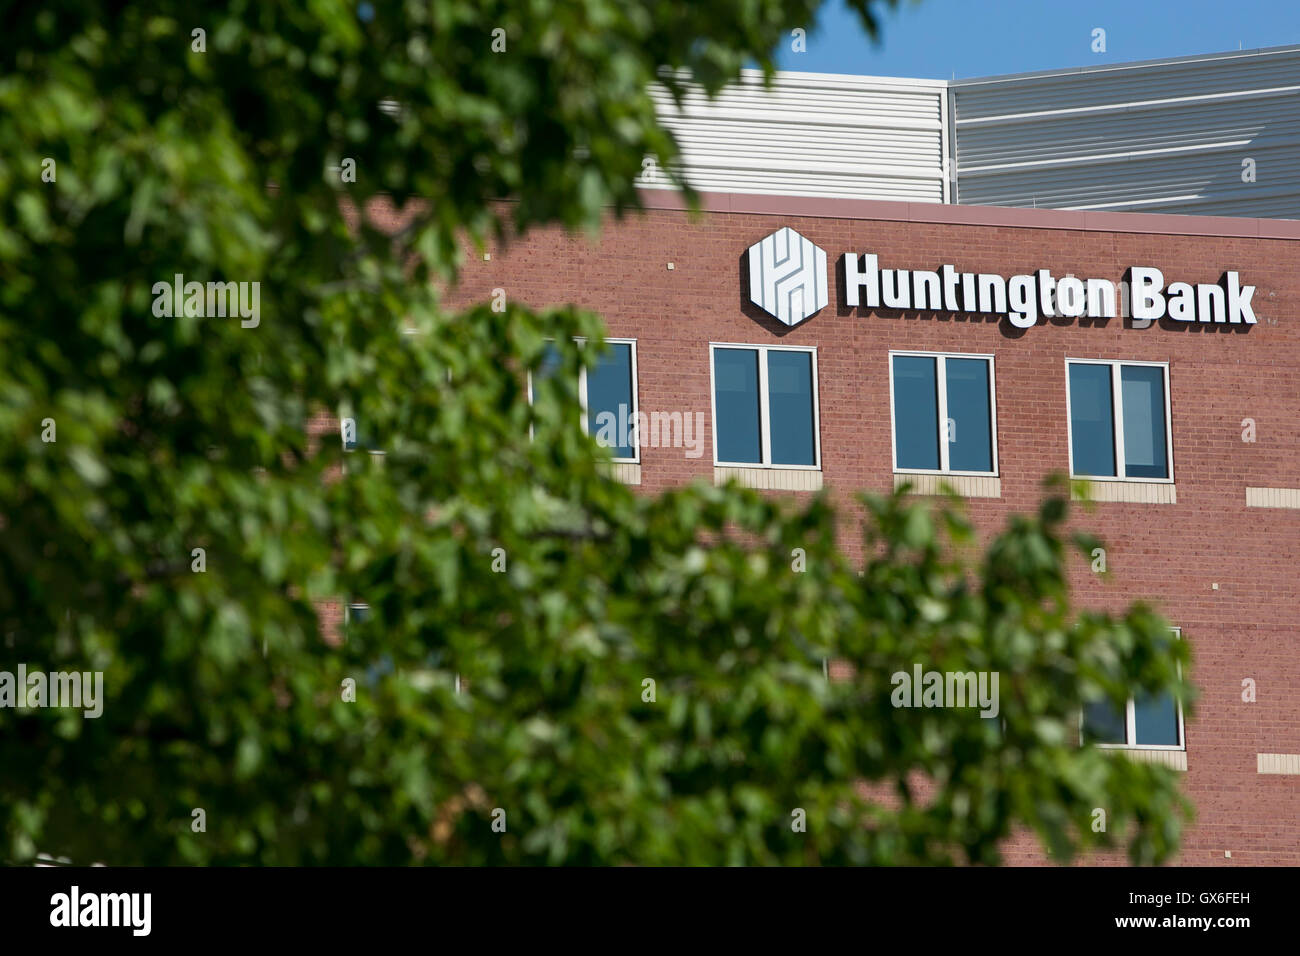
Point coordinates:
[(819, 207), (1128, 65)]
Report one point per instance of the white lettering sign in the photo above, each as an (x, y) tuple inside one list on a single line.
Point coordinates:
[(1024, 298), (787, 279)]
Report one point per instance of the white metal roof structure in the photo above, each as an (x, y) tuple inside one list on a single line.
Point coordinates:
[(814, 134), (1210, 135), (1214, 135)]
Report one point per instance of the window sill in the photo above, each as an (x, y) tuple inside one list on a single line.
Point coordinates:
[(770, 479), (1139, 492), (968, 486), (1277, 763), (1171, 758), (1273, 497), (628, 472)]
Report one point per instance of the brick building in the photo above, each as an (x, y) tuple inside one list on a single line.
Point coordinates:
[(1179, 403)]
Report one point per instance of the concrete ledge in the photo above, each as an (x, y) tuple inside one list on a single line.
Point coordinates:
[(1173, 759), (1139, 492), (968, 486), (628, 472), (1273, 497), (1277, 763), (770, 479)]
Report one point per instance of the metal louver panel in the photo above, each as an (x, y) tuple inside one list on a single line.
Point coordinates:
[(1168, 136), (813, 134)]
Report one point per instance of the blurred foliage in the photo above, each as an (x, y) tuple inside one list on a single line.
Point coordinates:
[(188, 432)]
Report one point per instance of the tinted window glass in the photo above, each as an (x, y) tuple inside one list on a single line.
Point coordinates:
[(790, 407), (1103, 724), (1091, 420), (970, 436), (610, 418), (1143, 391), (550, 361), (916, 412), (735, 382), (1156, 720)]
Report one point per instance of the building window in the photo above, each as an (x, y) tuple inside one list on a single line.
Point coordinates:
[(354, 437), (943, 413), (1119, 420), (355, 613), (1153, 722), (607, 394), (765, 406)]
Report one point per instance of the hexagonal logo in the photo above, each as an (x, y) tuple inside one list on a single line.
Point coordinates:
[(787, 276)]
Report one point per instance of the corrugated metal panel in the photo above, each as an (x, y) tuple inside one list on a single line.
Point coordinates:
[(1161, 136), (813, 134)]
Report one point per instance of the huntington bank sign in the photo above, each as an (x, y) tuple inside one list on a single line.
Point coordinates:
[(787, 279)]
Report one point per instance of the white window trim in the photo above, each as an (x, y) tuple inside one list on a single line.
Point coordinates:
[(764, 414), (348, 608), (356, 446), (1117, 421), (1130, 721), (941, 382), (582, 399)]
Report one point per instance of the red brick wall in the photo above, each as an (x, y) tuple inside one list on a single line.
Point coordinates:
[(324, 426), (1172, 554)]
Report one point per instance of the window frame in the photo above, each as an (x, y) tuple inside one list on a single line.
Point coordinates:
[(350, 607), (941, 384), (764, 411), (346, 414), (582, 397), (1117, 420), (1130, 721)]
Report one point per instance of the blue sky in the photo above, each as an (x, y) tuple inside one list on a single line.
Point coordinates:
[(937, 38)]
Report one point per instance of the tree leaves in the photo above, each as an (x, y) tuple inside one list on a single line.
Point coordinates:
[(194, 431)]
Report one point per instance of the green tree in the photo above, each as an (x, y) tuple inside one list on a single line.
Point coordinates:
[(209, 141)]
